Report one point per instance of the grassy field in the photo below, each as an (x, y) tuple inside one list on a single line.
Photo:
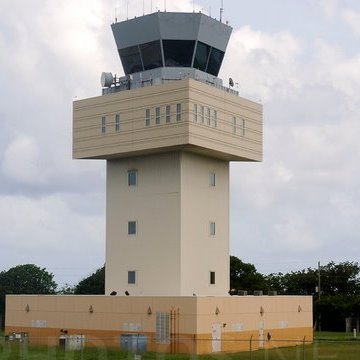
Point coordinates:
[(339, 346)]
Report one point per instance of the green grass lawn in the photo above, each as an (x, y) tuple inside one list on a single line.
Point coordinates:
[(338, 346)]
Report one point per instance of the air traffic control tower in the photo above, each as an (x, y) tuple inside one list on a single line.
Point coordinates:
[(168, 130)]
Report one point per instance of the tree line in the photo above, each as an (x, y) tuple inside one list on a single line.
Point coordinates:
[(339, 295)]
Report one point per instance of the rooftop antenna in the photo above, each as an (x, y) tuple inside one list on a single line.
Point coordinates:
[(151, 6), (165, 5), (127, 10), (221, 10), (143, 7), (193, 5), (115, 16)]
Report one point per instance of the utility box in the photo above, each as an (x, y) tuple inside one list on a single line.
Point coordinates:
[(71, 342), (136, 343)]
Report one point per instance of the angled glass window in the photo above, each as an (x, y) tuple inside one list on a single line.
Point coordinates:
[(178, 52), (215, 60), (201, 56), (151, 55), (131, 60)]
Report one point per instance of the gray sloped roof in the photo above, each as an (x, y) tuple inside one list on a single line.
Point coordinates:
[(171, 26)]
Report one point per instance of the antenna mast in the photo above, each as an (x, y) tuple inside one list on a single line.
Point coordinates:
[(221, 10)]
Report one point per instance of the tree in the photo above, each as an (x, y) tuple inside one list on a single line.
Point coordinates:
[(93, 284), (244, 276), (340, 279), (25, 279)]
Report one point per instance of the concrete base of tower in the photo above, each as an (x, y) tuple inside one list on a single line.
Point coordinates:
[(194, 325)]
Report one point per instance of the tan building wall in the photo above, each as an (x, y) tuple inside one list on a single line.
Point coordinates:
[(207, 129), (173, 205), (197, 324)]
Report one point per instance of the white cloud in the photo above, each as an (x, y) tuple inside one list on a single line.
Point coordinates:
[(22, 161), (264, 64), (352, 19), (294, 235), (48, 232)]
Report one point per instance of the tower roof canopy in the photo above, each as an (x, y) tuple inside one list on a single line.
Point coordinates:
[(168, 39)]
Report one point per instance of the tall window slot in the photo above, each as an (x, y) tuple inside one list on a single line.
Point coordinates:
[(212, 228), (208, 116), (234, 125), (147, 117), (212, 278), (103, 125), (178, 112), (202, 114), (117, 122), (131, 277), (243, 127), (132, 177), (168, 113), (212, 179), (132, 228), (195, 110), (157, 115), (215, 118)]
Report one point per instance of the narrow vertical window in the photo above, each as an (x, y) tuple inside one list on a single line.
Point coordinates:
[(202, 114), (178, 112), (168, 113), (132, 277), (132, 177), (195, 110), (212, 228), (117, 122), (131, 227), (103, 125), (212, 179), (147, 117), (215, 118), (157, 115), (208, 116), (212, 278), (243, 126), (234, 125)]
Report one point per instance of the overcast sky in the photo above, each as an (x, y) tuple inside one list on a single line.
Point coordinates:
[(300, 58)]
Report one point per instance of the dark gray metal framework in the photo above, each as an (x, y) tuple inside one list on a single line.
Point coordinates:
[(171, 40)]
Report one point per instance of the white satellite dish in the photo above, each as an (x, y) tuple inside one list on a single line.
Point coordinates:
[(107, 79)]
